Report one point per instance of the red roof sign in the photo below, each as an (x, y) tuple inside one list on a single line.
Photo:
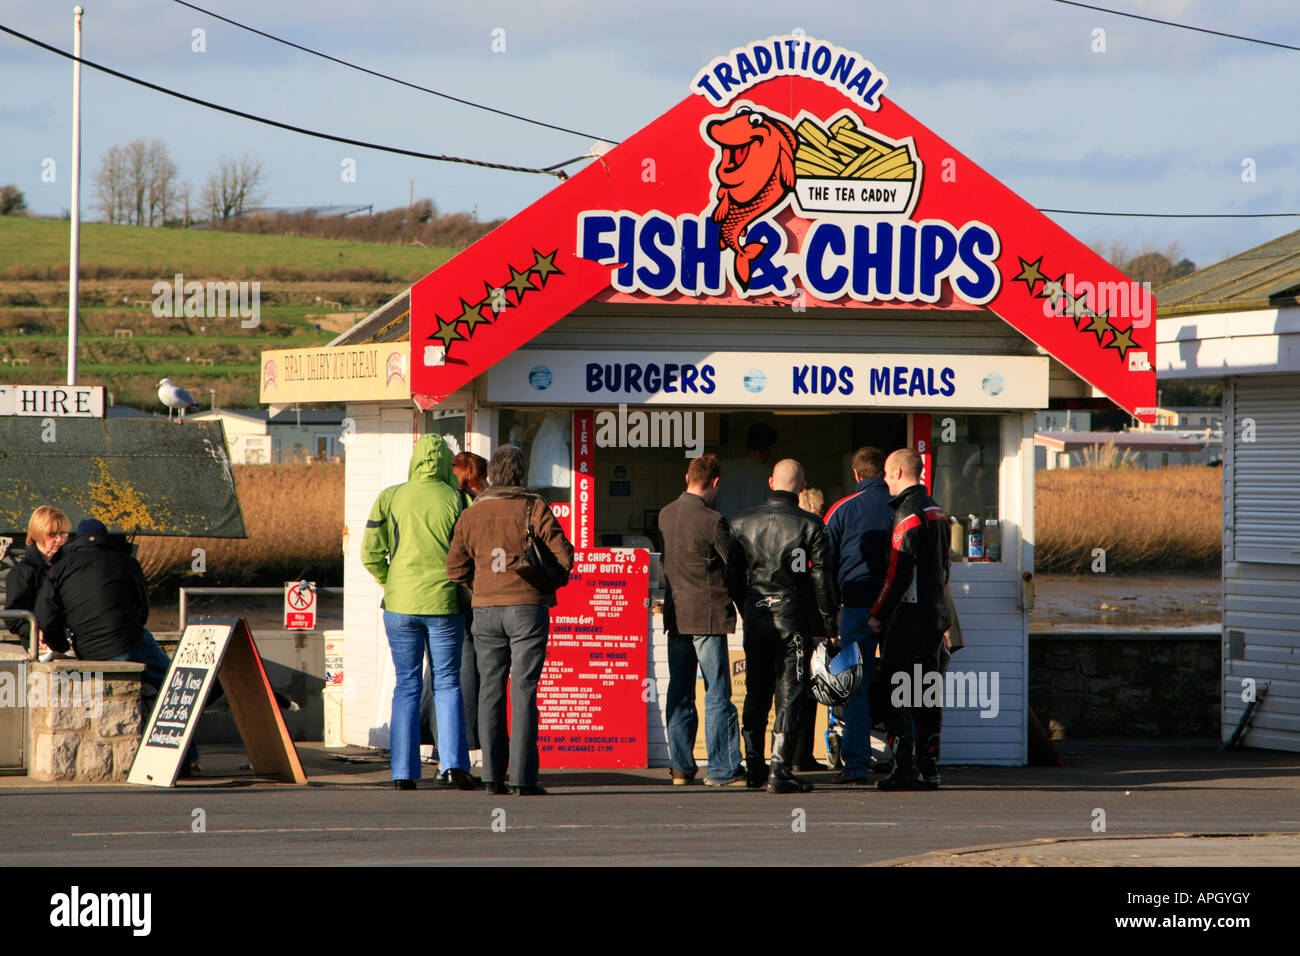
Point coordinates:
[(785, 177)]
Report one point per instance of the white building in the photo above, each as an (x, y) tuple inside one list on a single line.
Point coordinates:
[(1237, 322), (563, 313), (254, 436), (1133, 449)]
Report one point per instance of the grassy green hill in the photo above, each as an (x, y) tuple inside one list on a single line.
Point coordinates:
[(310, 289), (38, 248)]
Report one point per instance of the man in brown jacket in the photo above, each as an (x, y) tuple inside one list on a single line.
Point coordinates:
[(698, 616), (511, 617)]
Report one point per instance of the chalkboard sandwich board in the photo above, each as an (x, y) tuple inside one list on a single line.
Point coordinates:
[(212, 649)]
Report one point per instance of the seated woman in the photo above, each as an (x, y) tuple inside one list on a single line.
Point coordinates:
[(47, 532)]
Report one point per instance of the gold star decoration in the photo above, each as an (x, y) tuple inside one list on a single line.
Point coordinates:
[(1084, 318), (1066, 305), (1078, 309), (447, 333), (1030, 274), (1053, 289), (471, 315), (545, 266), (494, 297), (1122, 342), (1099, 326), (520, 282)]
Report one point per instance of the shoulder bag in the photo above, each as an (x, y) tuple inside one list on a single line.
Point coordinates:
[(538, 564)]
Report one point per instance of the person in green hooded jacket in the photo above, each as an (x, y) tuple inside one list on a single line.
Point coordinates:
[(405, 547)]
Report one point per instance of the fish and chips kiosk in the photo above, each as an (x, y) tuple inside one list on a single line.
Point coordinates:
[(786, 247)]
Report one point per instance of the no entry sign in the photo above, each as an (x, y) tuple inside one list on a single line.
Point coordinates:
[(300, 605)]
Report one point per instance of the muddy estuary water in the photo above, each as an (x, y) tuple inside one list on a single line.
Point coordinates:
[(1063, 602), (1113, 602)]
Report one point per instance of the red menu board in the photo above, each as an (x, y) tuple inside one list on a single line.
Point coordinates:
[(593, 714)]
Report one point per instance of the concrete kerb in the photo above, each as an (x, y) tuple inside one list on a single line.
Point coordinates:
[(995, 854)]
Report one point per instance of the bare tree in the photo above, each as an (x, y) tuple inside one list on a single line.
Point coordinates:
[(233, 187), (162, 173), (133, 185), (137, 179), (1147, 264), (110, 186), (182, 197)]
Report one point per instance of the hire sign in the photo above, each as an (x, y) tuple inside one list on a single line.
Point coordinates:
[(52, 401)]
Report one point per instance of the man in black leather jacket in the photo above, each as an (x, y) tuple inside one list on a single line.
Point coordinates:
[(778, 574), (913, 600)]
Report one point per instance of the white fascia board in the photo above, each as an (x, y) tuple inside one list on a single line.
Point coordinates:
[(1216, 344)]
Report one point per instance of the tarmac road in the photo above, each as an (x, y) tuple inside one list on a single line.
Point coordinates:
[(349, 816)]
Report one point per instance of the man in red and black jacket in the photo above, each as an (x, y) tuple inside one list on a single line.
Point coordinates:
[(914, 601)]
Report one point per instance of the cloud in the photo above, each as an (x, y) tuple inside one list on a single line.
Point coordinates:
[(1161, 120)]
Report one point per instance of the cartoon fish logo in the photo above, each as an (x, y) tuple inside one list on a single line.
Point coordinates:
[(754, 171)]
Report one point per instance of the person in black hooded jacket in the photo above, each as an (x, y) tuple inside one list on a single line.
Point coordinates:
[(47, 531), (98, 593)]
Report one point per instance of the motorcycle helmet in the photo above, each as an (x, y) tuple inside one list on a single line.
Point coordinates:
[(832, 685)]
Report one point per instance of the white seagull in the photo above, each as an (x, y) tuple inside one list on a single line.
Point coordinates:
[(175, 397)]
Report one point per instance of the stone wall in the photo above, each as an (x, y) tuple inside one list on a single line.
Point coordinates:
[(1126, 685), (86, 725)]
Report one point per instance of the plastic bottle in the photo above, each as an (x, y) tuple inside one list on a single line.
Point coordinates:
[(956, 539), (974, 539), (992, 540)]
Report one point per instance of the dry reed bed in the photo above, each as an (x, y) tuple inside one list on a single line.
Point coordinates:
[(1160, 519), (294, 517), (1146, 520)]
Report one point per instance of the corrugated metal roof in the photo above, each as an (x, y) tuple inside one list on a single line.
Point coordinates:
[(1265, 277), (391, 322), (138, 476), (1138, 441)]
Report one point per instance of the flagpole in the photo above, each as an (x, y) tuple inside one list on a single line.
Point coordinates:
[(75, 211)]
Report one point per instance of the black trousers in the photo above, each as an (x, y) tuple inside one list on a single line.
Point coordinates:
[(776, 664), (510, 643), (915, 636)]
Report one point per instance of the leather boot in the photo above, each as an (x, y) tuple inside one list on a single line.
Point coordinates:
[(782, 780), (927, 763), (904, 776)]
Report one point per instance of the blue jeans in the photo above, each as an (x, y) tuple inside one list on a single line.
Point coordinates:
[(156, 664), (855, 745), (721, 723), (408, 636)]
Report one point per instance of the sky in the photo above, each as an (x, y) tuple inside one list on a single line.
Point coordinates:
[(1161, 120)]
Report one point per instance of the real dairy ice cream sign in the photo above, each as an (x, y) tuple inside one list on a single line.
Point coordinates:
[(857, 186)]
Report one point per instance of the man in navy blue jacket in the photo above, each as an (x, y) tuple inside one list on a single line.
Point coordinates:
[(858, 529)]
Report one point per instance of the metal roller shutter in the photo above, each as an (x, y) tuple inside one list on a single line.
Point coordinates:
[(1265, 473)]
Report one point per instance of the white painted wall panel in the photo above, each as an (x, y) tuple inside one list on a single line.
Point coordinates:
[(1262, 602)]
